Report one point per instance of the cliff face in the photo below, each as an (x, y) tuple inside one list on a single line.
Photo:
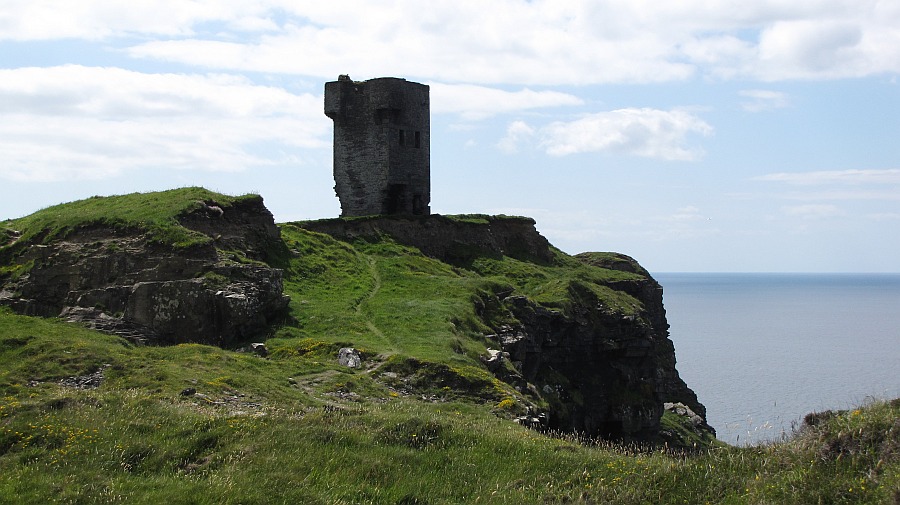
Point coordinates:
[(120, 280), (596, 367), (672, 388)]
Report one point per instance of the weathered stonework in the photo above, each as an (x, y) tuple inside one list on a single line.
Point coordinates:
[(381, 145)]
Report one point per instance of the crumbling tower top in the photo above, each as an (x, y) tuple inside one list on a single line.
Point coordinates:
[(381, 145)]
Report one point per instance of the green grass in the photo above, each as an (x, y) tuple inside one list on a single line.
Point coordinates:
[(148, 445), (383, 297), (683, 431), (276, 431), (421, 422), (153, 213), (565, 283)]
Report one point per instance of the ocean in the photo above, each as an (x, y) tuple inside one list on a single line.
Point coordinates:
[(763, 350)]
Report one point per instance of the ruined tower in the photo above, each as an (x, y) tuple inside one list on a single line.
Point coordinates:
[(381, 145)]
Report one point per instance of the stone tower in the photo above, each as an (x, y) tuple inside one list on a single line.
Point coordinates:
[(381, 145)]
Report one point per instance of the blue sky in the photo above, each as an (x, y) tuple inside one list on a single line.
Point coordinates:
[(693, 135)]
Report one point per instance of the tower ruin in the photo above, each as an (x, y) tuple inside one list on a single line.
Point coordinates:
[(381, 145)]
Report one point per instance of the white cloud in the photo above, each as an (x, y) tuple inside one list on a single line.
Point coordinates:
[(644, 132), (805, 48), (505, 41), (813, 211), (685, 223), (478, 102), (822, 39), (845, 194), (763, 100), (724, 56), (104, 19), (516, 133), (834, 186), (843, 177), (75, 122), (686, 214), (649, 133)]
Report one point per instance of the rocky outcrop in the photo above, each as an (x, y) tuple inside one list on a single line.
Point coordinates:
[(121, 281), (601, 371), (650, 293), (455, 240), (596, 372), (596, 369), (599, 361)]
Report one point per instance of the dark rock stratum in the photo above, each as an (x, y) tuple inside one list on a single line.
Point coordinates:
[(120, 281)]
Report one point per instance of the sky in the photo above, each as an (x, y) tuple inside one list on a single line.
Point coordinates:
[(692, 135)]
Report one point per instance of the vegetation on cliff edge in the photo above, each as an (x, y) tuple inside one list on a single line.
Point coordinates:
[(155, 214)]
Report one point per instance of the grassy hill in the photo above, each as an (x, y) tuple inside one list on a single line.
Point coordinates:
[(87, 417), (154, 213)]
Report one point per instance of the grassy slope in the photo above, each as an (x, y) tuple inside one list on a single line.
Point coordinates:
[(154, 213), (298, 428)]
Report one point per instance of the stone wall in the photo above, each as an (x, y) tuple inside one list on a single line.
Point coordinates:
[(452, 240), (381, 145)]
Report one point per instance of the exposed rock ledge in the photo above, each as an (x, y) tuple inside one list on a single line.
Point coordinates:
[(455, 240), (119, 281)]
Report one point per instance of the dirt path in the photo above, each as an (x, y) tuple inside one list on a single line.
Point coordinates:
[(376, 287)]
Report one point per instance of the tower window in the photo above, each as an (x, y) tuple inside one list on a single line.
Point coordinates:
[(401, 138), (418, 139)]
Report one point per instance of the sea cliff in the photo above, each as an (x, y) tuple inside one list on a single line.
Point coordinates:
[(580, 342)]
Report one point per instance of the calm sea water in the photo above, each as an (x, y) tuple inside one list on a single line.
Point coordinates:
[(763, 350)]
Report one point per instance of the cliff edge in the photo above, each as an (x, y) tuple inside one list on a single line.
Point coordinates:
[(187, 265), (588, 341), (476, 307)]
